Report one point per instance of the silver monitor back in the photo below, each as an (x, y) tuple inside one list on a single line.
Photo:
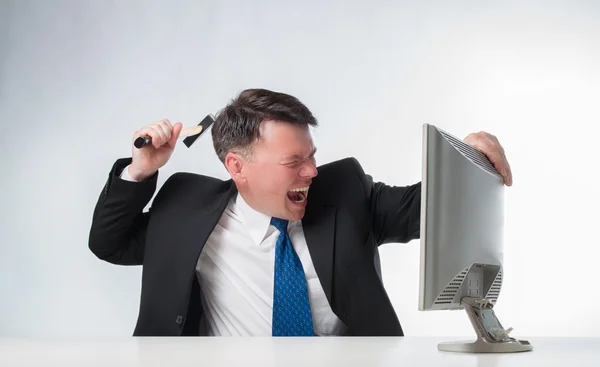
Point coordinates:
[(462, 240), (462, 223)]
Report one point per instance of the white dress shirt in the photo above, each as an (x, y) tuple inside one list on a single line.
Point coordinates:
[(236, 270)]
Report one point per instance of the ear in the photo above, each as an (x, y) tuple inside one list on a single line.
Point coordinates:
[(234, 164)]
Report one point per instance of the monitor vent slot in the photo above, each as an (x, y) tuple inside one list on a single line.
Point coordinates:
[(494, 291), (471, 153), (449, 293)]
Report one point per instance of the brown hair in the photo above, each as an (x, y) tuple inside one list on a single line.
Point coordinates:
[(237, 126)]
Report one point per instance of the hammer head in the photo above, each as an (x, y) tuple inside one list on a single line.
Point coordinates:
[(205, 123)]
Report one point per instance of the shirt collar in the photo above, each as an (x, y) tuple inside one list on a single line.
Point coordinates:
[(256, 222)]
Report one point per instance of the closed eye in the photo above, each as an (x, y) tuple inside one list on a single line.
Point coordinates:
[(293, 164), (297, 161)]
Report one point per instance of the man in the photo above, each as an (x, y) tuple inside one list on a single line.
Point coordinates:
[(282, 248)]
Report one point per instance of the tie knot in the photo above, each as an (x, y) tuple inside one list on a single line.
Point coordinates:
[(280, 224)]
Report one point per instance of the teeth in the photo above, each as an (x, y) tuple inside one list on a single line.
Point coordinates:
[(302, 193), (301, 189), (301, 200)]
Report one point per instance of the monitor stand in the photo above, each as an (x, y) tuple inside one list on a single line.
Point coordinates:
[(491, 336)]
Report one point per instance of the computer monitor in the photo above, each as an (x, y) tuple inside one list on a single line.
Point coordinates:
[(462, 242)]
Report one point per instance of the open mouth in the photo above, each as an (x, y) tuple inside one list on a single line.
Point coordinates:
[(298, 195)]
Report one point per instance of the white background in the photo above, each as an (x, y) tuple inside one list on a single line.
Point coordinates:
[(77, 78)]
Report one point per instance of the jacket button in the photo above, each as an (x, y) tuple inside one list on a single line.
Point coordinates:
[(179, 320)]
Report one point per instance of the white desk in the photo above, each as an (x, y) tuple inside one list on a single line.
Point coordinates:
[(306, 352)]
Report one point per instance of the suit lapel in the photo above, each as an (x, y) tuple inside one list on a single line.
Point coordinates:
[(318, 225), (204, 216)]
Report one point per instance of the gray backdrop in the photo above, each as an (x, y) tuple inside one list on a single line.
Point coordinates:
[(77, 78)]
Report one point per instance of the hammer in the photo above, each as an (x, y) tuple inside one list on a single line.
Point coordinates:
[(190, 133)]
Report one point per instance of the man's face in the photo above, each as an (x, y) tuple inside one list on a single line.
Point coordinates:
[(279, 172)]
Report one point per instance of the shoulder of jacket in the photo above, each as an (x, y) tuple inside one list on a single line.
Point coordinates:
[(340, 164), (186, 182)]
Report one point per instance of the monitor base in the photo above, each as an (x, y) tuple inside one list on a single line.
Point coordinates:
[(481, 345), (491, 336)]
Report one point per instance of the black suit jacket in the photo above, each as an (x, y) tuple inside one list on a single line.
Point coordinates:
[(347, 217)]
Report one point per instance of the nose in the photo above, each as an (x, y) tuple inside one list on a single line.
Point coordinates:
[(308, 169)]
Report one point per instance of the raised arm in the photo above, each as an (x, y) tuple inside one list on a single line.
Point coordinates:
[(118, 230), (395, 210)]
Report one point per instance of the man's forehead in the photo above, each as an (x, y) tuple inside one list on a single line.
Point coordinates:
[(282, 141)]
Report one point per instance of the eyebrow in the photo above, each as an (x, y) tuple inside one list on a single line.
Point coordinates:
[(297, 157)]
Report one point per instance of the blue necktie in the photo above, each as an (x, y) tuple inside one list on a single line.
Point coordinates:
[(291, 306)]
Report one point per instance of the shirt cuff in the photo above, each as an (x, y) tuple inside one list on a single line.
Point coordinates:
[(125, 175)]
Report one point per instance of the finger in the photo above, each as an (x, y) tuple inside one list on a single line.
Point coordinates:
[(507, 173), (501, 166), (157, 135), (509, 177), (163, 136), (496, 159), (166, 127), (481, 144), (496, 143), (493, 148), (175, 134), (495, 156), (143, 133), (148, 131)]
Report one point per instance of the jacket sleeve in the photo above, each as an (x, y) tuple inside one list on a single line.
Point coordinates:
[(118, 229), (395, 211)]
